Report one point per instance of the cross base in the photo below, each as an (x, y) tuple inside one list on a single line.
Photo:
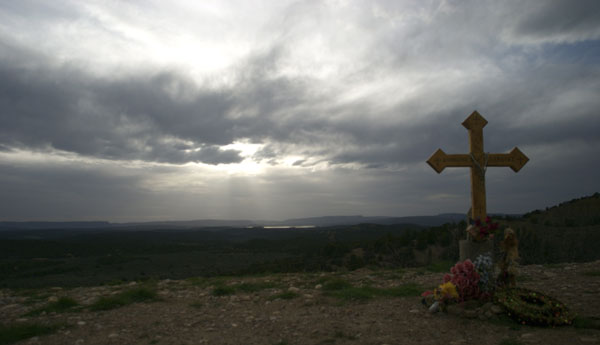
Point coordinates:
[(468, 249)]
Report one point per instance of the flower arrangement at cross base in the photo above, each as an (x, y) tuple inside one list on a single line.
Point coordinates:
[(481, 231), (475, 281), (440, 297), (466, 279), (461, 285)]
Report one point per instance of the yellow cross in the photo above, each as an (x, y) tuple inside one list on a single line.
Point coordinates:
[(478, 161)]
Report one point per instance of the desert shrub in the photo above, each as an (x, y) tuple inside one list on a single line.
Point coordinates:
[(223, 290), (62, 305), (336, 284), (13, 333), (136, 295)]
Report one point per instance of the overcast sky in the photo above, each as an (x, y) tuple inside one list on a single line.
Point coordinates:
[(178, 110)]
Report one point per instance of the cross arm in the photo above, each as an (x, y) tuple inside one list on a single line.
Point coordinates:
[(515, 159), (439, 160)]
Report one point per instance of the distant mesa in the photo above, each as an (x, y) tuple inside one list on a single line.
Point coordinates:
[(54, 225), (306, 223)]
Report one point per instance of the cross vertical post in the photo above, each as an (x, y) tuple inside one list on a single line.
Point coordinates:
[(474, 124)]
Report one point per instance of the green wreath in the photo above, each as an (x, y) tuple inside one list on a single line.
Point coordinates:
[(532, 307)]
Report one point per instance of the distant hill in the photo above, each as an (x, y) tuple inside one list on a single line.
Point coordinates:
[(353, 220), (576, 212), (568, 232), (214, 223), (53, 225)]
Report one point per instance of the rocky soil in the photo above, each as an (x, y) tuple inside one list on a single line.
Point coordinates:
[(296, 309)]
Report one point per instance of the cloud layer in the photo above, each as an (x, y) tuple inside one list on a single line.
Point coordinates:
[(342, 99)]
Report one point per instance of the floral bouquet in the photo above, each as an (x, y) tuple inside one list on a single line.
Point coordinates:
[(440, 296), (485, 267), (460, 285), (465, 277), (480, 231)]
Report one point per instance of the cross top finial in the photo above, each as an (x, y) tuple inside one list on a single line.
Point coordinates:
[(474, 121)]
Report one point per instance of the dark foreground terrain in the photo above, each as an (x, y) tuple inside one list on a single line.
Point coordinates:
[(359, 307)]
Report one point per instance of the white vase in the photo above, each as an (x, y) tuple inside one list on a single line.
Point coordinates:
[(435, 307)]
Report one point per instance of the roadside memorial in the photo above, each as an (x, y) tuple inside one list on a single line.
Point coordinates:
[(475, 280), (478, 240)]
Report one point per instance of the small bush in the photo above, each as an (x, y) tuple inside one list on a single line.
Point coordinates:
[(136, 295), (197, 305), (206, 282), (336, 284), (196, 281), (10, 334), (440, 266), (586, 322), (254, 287), (107, 303), (63, 304), (406, 290), (140, 294), (223, 290), (591, 273), (353, 293), (342, 335)]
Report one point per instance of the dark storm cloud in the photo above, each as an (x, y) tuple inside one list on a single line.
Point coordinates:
[(528, 97), (62, 108), (164, 117), (160, 116), (577, 20)]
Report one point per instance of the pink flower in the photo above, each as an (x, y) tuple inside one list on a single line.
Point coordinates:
[(426, 293), (466, 280)]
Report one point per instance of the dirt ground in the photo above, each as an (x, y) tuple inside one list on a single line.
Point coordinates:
[(189, 312)]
